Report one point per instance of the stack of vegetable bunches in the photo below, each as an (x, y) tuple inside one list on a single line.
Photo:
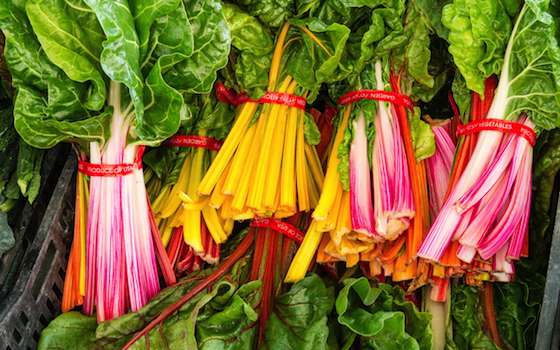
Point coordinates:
[(390, 199), (191, 229)]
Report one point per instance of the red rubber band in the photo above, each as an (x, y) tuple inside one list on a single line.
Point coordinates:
[(111, 170), (378, 95), (504, 126), (282, 98), (282, 227), (195, 141), (228, 96)]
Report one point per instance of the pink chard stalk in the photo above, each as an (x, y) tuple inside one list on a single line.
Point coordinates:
[(438, 168), (121, 263), (389, 214)]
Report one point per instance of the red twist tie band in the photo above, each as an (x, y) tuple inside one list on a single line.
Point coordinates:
[(281, 98), (282, 227), (111, 170), (225, 95), (378, 95), (195, 141), (504, 126)]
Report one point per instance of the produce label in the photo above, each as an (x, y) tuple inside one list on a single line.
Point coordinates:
[(282, 227)]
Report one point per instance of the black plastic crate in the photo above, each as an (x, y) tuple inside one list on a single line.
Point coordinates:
[(26, 218), (33, 300)]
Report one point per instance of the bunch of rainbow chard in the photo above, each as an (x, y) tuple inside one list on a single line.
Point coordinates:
[(374, 200), (112, 76), (268, 165), (485, 215)]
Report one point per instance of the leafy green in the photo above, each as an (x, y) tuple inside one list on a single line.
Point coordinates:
[(478, 35), (271, 12), (45, 95), (517, 314), (299, 320), (311, 131), (380, 317), (66, 56), (532, 59), (310, 64), (468, 319), (423, 139), (431, 11), (462, 96), (29, 170), (252, 42), (228, 321), (213, 318), (71, 330)]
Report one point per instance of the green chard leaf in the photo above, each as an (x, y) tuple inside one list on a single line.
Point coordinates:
[(71, 330), (253, 46), (478, 35), (271, 12), (67, 57), (299, 320), (423, 139), (531, 71), (29, 170), (312, 64), (468, 319), (49, 107), (381, 318)]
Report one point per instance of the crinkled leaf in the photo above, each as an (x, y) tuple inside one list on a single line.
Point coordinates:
[(215, 117), (299, 320), (312, 65), (271, 12), (516, 315), (381, 318), (431, 11), (533, 67), (49, 107), (546, 168), (468, 319), (71, 37), (146, 12), (120, 57), (462, 96), (253, 45), (478, 35), (229, 320), (212, 41), (37, 128)]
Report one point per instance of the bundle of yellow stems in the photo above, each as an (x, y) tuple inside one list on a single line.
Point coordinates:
[(180, 205), (330, 213), (265, 168)]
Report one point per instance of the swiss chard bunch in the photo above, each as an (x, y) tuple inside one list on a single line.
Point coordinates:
[(112, 75)]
